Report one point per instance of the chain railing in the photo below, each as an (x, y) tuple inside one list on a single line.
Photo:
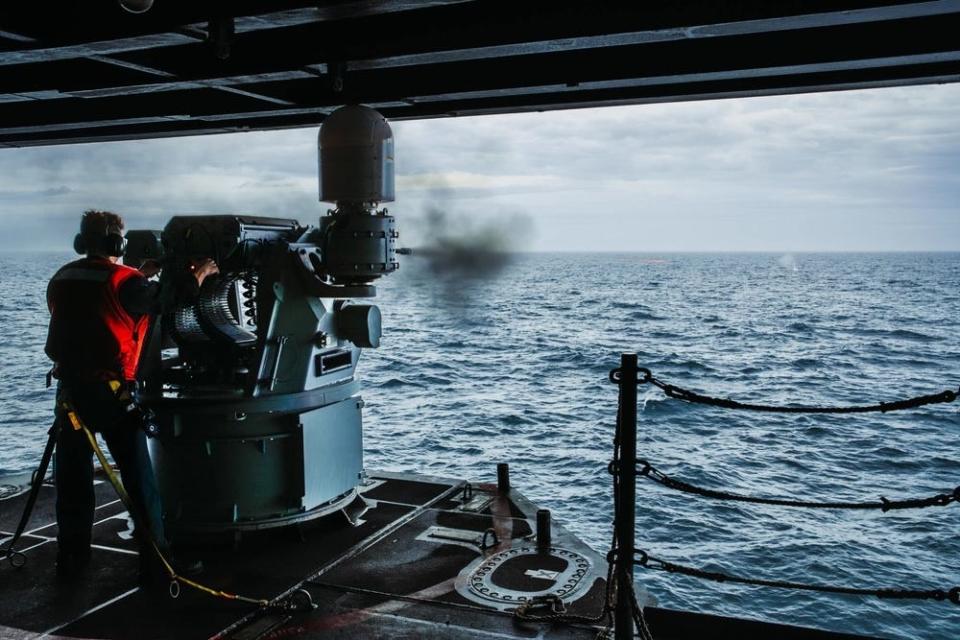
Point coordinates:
[(625, 467), (647, 470)]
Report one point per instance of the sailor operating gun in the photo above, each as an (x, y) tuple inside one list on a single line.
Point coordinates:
[(101, 313)]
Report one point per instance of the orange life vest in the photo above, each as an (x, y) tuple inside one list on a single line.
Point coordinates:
[(91, 335)]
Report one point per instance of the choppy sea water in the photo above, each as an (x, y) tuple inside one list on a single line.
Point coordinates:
[(512, 367)]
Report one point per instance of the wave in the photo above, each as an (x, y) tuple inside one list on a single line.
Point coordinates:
[(620, 304), (906, 334), (898, 334), (645, 315), (394, 383)]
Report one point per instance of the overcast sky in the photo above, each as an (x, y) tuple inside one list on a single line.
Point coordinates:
[(863, 170)]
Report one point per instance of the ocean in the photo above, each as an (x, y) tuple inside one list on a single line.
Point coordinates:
[(510, 363)]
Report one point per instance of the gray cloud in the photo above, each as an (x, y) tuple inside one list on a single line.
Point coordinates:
[(849, 170)]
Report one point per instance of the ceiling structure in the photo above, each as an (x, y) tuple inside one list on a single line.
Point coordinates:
[(87, 70)]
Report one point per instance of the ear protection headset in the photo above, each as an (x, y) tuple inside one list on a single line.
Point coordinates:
[(111, 242)]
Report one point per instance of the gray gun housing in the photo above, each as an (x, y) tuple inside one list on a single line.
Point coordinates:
[(254, 382)]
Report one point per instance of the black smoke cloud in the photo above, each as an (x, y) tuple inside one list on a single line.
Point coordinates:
[(459, 246)]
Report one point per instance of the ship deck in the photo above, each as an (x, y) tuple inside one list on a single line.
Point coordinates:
[(410, 566)]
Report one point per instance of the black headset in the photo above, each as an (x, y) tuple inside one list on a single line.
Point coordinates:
[(111, 242)]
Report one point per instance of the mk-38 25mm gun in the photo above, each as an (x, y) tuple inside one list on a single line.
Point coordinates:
[(253, 383)]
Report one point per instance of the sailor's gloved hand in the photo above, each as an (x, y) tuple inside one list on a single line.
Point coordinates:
[(204, 268)]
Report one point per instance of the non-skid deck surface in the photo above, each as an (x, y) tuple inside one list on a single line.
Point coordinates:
[(397, 574), (108, 604)]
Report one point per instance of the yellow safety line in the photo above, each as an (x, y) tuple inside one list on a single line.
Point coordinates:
[(175, 579)]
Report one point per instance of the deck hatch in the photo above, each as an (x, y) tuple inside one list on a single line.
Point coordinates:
[(558, 573)]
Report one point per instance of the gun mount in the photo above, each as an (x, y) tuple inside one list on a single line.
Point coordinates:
[(254, 382)]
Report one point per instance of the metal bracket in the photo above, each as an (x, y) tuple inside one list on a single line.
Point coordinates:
[(355, 510), (468, 538)]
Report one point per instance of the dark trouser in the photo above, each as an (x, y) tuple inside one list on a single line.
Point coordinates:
[(102, 413)]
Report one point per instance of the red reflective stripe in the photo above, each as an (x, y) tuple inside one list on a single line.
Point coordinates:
[(129, 332)]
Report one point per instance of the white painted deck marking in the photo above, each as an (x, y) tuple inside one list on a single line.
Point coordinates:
[(47, 526), (542, 574), (46, 634)]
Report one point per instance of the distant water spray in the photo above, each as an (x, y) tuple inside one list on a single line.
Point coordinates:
[(788, 262)]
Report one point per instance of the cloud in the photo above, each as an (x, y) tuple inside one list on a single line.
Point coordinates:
[(29, 194), (56, 191), (856, 170), (464, 183)]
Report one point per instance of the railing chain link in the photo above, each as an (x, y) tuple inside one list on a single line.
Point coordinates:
[(649, 562), (940, 500), (679, 393)]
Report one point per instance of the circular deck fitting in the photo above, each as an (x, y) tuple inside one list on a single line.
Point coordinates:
[(518, 575)]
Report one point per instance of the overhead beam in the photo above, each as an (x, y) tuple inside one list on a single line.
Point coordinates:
[(168, 79), (171, 80), (475, 103), (474, 31), (768, 25), (172, 35), (569, 100), (745, 27), (456, 57), (850, 47)]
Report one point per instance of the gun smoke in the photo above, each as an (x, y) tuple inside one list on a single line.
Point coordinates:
[(458, 247)]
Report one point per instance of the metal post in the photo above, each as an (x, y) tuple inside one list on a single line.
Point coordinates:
[(503, 478), (543, 531), (626, 505)]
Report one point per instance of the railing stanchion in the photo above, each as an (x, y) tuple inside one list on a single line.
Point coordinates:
[(626, 500)]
